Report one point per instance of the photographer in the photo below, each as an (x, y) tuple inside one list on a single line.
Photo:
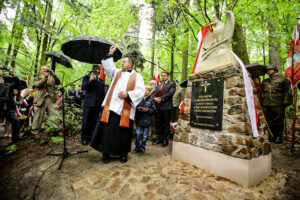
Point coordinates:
[(45, 98), (7, 104)]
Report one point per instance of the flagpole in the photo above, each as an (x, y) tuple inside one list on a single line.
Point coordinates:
[(294, 119)]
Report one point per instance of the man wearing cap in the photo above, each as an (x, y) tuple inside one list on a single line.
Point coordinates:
[(274, 97)]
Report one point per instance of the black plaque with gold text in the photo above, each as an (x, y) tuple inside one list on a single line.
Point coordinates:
[(207, 104)]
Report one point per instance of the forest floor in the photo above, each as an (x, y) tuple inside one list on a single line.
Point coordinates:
[(154, 175)]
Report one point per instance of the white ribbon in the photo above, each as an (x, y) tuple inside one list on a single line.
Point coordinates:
[(249, 97)]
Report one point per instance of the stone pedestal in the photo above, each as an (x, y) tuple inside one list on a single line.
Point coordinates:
[(232, 152)]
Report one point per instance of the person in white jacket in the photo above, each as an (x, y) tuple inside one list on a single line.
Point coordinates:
[(114, 134)]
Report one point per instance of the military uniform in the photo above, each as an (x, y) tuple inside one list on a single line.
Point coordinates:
[(274, 97)]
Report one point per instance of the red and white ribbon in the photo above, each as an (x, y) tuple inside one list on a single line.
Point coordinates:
[(200, 36)]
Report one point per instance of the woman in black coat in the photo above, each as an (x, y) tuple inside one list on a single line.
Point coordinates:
[(144, 112)]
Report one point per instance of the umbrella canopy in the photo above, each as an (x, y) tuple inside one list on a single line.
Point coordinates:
[(59, 58), (256, 69), (9, 79), (184, 83), (89, 49)]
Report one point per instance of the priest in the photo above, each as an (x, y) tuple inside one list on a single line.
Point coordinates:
[(113, 134)]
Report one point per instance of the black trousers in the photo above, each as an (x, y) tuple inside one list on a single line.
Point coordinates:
[(89, 121), (163, 123), (275, 119), (11, 116)]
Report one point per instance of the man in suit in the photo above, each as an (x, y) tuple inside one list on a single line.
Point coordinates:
[(94, 95), (44, 98), (163, 97)]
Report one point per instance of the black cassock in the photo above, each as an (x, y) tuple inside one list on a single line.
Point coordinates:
[(111, 139)]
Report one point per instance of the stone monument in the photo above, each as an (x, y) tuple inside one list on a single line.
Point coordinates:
[(214, 131)]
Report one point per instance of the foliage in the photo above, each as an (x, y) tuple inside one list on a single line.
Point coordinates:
[(11, 149), (73, 117), (57, 139)]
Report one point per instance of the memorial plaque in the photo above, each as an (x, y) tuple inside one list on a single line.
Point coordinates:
[(207, 104)]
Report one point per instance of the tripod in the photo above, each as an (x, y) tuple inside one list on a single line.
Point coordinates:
[(65, 152)]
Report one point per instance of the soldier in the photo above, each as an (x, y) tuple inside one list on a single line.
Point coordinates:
[(274, 97)]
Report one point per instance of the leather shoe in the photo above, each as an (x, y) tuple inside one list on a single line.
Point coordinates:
[(84, 142), (157, 142), (105, 159), (164, 143), (123, 159)]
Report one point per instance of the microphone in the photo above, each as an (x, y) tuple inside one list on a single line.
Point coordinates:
[(89, 72)]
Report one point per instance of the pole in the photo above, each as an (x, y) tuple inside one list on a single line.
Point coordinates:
[(294, 119)]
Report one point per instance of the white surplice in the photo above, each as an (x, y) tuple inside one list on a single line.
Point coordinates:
[(136, 95)]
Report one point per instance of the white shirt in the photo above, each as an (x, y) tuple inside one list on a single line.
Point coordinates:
[(136, 95)]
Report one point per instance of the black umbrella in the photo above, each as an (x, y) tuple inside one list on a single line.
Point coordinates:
[(89, 49), (9, 79), (58, 58), (256, 69), (184, 83)]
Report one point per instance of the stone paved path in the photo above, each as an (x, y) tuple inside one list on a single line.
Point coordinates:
[(155, 175)]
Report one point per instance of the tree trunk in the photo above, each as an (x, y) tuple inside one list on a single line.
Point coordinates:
[(153, 38), (172, 56), (9, 48), (274, 47), (239, 46), (185, 56), (46, 35)]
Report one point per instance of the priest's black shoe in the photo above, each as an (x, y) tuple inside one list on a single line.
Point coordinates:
[(157, 141), (123, 159), (105, 159), (164, 143), (84, 142)]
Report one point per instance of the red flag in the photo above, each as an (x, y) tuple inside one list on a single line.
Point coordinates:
[(102, 74), (156, 75), (293, 58), (181, 106), (200, 36)]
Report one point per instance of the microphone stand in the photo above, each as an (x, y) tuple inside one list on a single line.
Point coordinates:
[(65, 152)]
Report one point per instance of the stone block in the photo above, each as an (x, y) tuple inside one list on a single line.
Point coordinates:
[(228, 149), (225, 140), (176, 137), (207, 76), (239, 92), (240, 140), (184, 137), (236, 109), (234, 100), (206, 145), (211, 139), (267, 148), (242, 118), (193, 139), (237, 128), (234, 81), (244, 153), (247, 128), (249, 141)]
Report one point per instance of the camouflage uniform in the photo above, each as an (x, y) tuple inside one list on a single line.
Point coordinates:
[(274, 97)]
